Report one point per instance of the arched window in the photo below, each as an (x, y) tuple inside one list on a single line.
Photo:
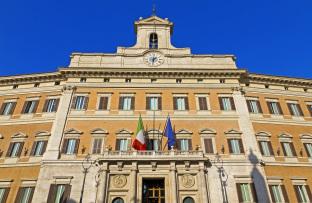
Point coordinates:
[(153, 41), (118, 200), (188, 200)]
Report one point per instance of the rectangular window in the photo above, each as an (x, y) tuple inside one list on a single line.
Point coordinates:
[(80, 102), (51, 105), (246, 192), (303, 193), (152, 144), (126, 103), (309, 106), (97, 146), (278, 193), (202, 103), (208, 146), (59, 193), (288, 149), (180, 103), (30, 107), (15, 149), (153, 103), (38, 148), (254, 106), (294, 109), (103, 104), (184, 144), (227, 103), (25, 194), (7, 108), (274, 108), (308, 148), (266, 148), (4, 194), (235, 146), (122, 145), (70, 146)]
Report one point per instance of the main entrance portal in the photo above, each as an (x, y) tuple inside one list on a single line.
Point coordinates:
[(153, 191)]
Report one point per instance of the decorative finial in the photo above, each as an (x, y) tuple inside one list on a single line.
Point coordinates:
[(154, 10)]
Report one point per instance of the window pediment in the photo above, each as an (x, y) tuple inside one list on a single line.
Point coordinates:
[(43, 134), (99, 131), (124, 131), (154, 131), (184, 131), (207, 131), (19, 135), (306, 136), (263, 134), (73, 131), (233, 132), (285, 135)]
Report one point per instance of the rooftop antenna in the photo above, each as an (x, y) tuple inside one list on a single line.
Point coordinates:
[(154, 10)]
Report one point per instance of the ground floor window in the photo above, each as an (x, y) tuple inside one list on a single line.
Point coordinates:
[(59, 193), (188, 200), (153, 191), (118, 200)]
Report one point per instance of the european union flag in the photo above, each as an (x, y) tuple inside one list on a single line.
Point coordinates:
[(168, 132)]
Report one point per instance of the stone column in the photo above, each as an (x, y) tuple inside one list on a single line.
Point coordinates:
[(133, 182), (202, 182), (173, 183), (101, 195), (53, 148)]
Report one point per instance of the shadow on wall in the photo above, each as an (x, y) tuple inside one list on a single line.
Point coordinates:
[(258, 179), (70, 201)]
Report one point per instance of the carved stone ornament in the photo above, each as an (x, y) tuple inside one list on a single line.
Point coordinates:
[(188, 181), (119, 181)]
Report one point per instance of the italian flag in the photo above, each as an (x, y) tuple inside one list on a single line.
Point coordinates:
[(139, 142)]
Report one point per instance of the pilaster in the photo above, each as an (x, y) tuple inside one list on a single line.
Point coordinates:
[(173, 182)]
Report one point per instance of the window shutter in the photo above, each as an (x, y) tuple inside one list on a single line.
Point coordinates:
[(239, 192), (208, 146), (300, 112), (45, 143), (159, 103), (2, 108), (309, 192), (24, 106), (280, 109), (13, 108), (76, 146), (310, 109), (19, 195), (202, 103), (175, 105), (271, 148), (95, 141), (117, 147), (132, 103), (272, 194), (5, 195), (64, 147), (178, 144), (293, 149), (105, 105), (101, 103), (307, 151), (253, 192), (232, 104), (20, 149), (66, 194), (260, 147), (241, 146), (52, 193), (269, 107), (31, 194), (190, 145), (148, 100), (259, 107), (290, 110), (35, 107), (45, 106), (186, 103), (230, 146), (297, 193), (249, 106), (33, 148), (284, 193), (57, 102), (86, 101), (221, 103), (121, 101), (8, 154), (74, 102), (284, 151)]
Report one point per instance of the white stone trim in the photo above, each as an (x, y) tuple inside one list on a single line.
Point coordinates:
[(296, 180), (9, 100), (5, 182), (243, 179), (130, 94), (28, 183), (62, 179)]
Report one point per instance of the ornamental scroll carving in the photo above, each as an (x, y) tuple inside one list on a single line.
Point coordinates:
[(119, 181), (188, 181)]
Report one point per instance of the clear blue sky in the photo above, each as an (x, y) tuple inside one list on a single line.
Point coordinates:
[(267, 36)]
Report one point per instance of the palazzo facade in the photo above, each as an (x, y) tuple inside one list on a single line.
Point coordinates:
[(240, 137)]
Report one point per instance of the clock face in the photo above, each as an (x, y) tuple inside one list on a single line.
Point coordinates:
[(153, 59)]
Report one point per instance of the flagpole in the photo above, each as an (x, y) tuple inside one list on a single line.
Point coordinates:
[(158, 141), (162, 135)]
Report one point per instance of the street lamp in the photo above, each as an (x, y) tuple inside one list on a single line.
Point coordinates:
[(86, 165), (223, 176)]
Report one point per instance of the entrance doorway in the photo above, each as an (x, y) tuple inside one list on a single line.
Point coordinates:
[(153, 191)]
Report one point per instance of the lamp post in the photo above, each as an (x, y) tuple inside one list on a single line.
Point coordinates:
[(86, 165), (223, 176)]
